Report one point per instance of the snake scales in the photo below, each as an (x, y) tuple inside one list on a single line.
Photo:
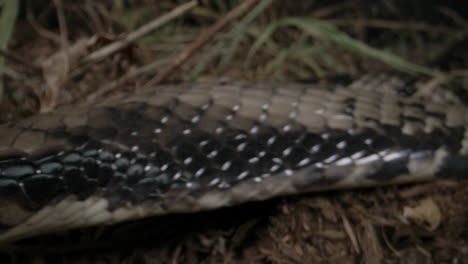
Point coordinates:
[(191, 147)]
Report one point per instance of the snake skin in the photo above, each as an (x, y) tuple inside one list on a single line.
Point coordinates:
[(193, 147)]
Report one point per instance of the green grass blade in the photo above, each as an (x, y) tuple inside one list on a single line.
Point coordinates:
[(322, 30), (240, 29)]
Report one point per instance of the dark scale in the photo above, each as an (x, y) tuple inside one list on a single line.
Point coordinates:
[(164, 179), (106, 156), (454, 136), (280, 143), (12, 191), (151, 171), (266, 163), (248, 149), (232, 170), (440, 137), (209, 145), (395, 164), (105, 172), (418, 120), (209, 177), (77, 182), (118, 194), (162, 158), (454, 166), (42, 188), (18, 169), (122, 164), (71, 158), (317, 177), (135, 173), (309, 141), (171, 170), (148, 188), (380, 143), (234, 137), (46, 157), (9, 188), (90, 153), (53, 168), (355, 145), (324, 151), (183, 150), (266, 136), (195, 162), (438, 115), (186, 113), (297, 157), (407, 142), (223, 155), (91, 167)]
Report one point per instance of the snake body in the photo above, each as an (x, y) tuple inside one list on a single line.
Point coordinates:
[(192, 147)]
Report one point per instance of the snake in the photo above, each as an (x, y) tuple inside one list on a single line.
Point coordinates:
[(190, 147)]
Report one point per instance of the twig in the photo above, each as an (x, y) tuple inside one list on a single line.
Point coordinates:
[(56, 68), (425, 188), (142, 31), (40, 30), (150, 68), (389, 245), (350, 232), (15, 57), (203, 39), (430, 86), (458, 73), (63, 34), (93, 14), (26, 81), (176, 254), (330, 10), (457, 18)]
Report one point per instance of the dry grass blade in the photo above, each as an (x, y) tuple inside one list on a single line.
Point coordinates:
[(231, 40), (7, 23), (204, 38), (300, 52), (142, 31)]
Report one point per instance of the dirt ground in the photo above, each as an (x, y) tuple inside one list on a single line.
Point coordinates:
[(423, 223), (49, 64)]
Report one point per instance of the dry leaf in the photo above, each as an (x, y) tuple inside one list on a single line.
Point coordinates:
[(426, 213)]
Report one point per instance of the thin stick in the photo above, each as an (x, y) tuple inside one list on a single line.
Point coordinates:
[(203, 39), (63, 33), (9, 55), (43, 32), (140, 32), (150, 68)]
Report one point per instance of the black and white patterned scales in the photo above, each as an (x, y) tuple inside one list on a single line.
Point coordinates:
[(193, 147)]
